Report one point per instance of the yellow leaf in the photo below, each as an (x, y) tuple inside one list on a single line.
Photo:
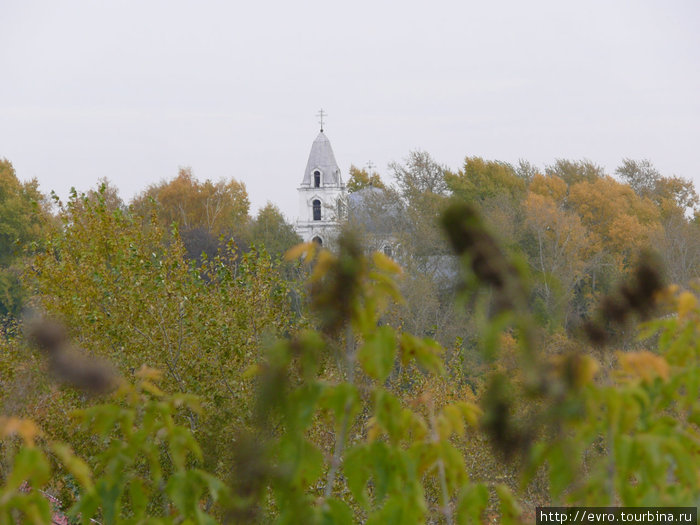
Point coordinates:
[(686, 304), (251, 371), (471, 412), (387, 285), (587, 370), (577, 369), (644, 365), (668, 294), (386, 264), (24, 428), (76, 466), (419, 429), (456, 418), (325, 260), (295, 252), (372, 430), (444, 428), (148, 373), (151, 388)]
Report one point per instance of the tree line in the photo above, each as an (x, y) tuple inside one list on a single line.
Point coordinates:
[(493, 362), (578, 229)]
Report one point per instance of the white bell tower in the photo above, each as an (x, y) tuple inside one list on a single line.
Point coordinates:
[(322, 199)]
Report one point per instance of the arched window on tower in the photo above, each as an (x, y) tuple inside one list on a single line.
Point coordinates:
[(317, 179), (318, 240), (317, 210)]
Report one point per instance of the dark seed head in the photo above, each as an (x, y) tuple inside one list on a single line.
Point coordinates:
[(596, 333), (47, 335)]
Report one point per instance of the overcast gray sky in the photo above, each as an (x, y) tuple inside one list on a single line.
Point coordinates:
[(130, 90)]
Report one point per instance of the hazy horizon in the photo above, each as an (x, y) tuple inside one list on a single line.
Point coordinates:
[(133, 91)]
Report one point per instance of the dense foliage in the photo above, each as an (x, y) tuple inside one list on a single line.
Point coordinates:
[(345, 386), (24, 218)]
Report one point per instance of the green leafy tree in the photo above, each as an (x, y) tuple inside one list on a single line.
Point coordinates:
[(361, 178), (396, 459), (497, 189), (145, 472), (360, 421), (418, 174), (24, 218), (271, 230), (625, 438), (421, 194), (133, 297), (367, 418), (479, 180)]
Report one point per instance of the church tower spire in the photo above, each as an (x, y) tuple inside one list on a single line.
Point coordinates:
[(320, 116), (322, 192)]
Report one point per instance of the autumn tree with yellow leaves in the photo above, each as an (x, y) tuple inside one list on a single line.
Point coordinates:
[(319, 402), (220, 208)]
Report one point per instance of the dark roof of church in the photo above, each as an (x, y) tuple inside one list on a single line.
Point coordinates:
[(323, 159)]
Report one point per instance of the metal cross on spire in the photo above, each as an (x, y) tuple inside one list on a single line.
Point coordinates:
[(320, 115)]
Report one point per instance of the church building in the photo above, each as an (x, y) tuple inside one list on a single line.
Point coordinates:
[(322, 196)]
